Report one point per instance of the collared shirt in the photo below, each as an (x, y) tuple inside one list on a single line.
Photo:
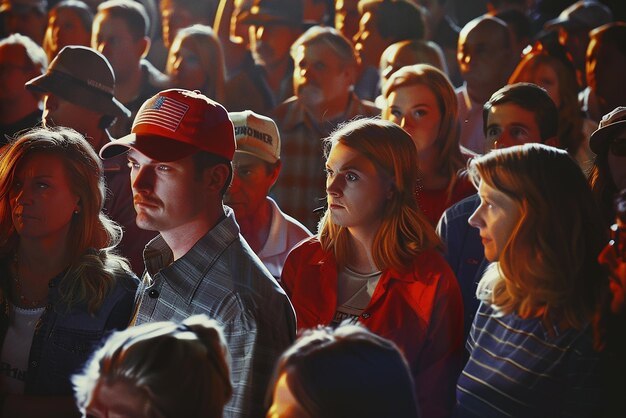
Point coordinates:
[(471, 117), (301, 187), (221, 277), (285, 233)]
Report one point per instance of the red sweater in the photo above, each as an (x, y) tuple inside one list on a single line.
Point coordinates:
[(420, 310)]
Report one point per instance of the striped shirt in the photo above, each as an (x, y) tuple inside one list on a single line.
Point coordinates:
[(221, 277), (517, 368)]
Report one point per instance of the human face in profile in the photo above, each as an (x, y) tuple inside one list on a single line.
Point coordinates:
[(320, 77), (168, 196), (495, 218)]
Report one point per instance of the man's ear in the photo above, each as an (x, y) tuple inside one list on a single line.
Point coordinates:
[(276, 171), (143, 46), (215, 177)]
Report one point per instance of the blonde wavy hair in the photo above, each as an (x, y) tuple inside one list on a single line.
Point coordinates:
[(449, 156), (144, 357), (404, 231), (208, 48), (548, 266), (92, 236)]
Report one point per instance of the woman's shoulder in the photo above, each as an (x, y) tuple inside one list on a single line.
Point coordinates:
[(429, 266), (306, 248), (125, 283)]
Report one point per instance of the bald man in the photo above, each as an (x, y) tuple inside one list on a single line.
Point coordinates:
[(486, 59)]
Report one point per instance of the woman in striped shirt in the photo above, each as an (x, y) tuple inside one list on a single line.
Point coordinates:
[(531, 348)]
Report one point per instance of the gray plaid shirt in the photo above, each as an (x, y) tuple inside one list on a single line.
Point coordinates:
[(221, 277)]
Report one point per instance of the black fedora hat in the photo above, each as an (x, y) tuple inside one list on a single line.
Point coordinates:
[(82, 76)]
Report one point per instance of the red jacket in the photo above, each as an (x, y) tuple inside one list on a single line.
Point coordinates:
[(421, 311)]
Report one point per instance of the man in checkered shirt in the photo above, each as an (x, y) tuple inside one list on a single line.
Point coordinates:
[(180, 152)]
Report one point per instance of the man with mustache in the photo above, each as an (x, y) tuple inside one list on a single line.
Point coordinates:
[(323, 80), (180, 155)]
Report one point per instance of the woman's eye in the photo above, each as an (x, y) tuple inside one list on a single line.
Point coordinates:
[(417, 113), (42, 185), (396, 113), (329, 172), (351, 177), (493, 132), (519, 133)]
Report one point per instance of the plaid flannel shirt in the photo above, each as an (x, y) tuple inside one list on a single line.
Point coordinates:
[(221, 277)]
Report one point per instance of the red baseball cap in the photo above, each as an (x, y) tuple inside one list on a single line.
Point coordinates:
[(177, 123)]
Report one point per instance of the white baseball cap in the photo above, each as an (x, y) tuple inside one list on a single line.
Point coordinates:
[(256, 135)]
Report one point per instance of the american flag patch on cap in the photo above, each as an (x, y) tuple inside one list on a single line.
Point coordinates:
[(163, 112)]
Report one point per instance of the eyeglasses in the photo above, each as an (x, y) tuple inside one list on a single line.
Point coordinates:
[(618, 241)]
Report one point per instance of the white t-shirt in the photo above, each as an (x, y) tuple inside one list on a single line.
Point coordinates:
[(354, 292), (16, 348)]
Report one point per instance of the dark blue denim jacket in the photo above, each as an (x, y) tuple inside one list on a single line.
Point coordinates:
[(64, 340)]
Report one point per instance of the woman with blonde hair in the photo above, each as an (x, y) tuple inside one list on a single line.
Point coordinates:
[(421, 100), (196, 62), (134, 372), (557, 75), (62, 287), (375, 259), (531, 341)]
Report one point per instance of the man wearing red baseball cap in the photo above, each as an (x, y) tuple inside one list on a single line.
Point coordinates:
[(180, 151)]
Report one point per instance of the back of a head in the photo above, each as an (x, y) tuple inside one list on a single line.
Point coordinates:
[(142, 356), (397, 19), (530, 97), (348, 372), (34, 53), (411, 52)]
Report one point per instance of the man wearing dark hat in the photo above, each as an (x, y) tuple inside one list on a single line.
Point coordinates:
[(79, 93), (28, 17), (180, 152), (275, 25), (573, 26)]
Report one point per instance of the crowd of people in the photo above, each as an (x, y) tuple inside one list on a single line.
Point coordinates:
[(312, 208)]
